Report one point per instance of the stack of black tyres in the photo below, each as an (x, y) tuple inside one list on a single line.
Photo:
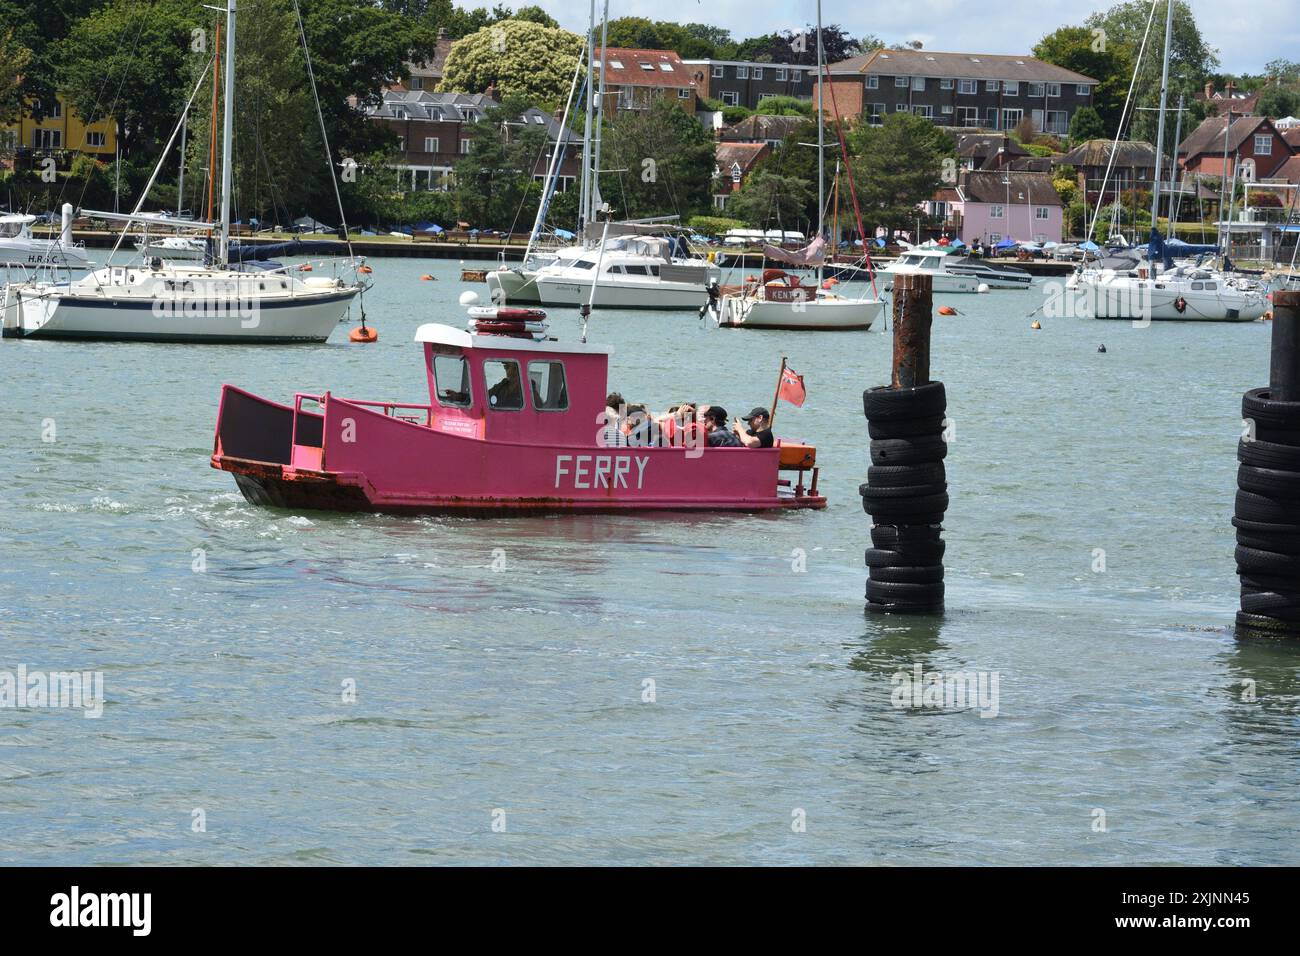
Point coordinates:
[(906, 494), (1267, 515)]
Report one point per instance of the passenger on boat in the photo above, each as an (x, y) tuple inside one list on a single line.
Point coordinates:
[(507, 393), (612, 420), (639, 427), (715, 421), (757, 432)]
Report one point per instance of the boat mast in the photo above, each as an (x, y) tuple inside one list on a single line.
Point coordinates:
[(594, 192), (584, 194), (180, 179), (1160, 128), (227, 139), (821, 138)]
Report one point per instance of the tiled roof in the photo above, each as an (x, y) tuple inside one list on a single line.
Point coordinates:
[(627, 67), (991, 186), (1208, 137), (457, 108), (744, 154), (1096, 152), (762, 127), (973, 66)]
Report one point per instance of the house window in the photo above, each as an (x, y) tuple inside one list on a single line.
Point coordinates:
[(1058, 121), (1082, 89), (900, 107), (945, 84), (758, 72), (401, 144), (968, 116), (742, 72), (1011, 88), (991, 117), (900, 81), (996, 212), (780, 73), (1054, 89), (546, 382), (924, 111), (719, 72), (877, 114), (54, 110), (666, 67), (465, 146), (47, 138), (430, 144), (995, 238), (616, 64), (505, 391), (1264, 145), (730, 98), (648, 67), (451, 380), (947, 109), (683, 94), (991, 86), (1040, 212), (1036, 90), (967, 86), (95, 140), (1010, 118), (918, 84), (1038, 120), (873, 81)]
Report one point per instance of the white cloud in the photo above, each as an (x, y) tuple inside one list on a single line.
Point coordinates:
[(1268, 30)]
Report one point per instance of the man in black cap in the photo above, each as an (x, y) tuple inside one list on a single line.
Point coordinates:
[(758, 434), (715, 421)]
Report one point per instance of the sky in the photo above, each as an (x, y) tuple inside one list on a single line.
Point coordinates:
[(1245, 40)]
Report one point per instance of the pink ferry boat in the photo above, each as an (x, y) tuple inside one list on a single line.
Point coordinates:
[(514, 424)]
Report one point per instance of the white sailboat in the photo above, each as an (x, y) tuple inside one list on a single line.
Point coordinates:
[(1125, 288), (166, 302), (18, 247), (779, 300), (641, 267)]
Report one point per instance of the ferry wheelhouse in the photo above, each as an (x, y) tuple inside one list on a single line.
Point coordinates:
[(515, 423)]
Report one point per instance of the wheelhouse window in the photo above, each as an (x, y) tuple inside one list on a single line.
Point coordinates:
[(549, 390), (451, 380), (505, 390)]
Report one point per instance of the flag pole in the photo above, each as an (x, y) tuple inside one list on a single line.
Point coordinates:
[(776, 397)]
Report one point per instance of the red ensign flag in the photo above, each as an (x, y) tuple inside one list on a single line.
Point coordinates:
[(791, 389)]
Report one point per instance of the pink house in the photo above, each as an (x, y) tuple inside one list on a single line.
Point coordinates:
[(993, 205)]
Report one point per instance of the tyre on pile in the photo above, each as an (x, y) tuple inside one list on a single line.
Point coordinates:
[(906, 494), (1267, 514)]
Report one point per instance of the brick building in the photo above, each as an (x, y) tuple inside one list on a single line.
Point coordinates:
[(962, 90), (433, 134), (744, 83), (1252, 141), (634, 79)]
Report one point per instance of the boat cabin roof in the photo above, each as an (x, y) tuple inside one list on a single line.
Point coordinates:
[(17, 217), (436, 333)]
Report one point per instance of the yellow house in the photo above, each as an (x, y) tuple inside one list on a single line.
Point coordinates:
[(62, 128)]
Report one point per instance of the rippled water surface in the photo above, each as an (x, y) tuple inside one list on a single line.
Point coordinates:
[(517, 695)]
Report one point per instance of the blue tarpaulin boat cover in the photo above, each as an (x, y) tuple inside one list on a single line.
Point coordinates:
[(248, 252)]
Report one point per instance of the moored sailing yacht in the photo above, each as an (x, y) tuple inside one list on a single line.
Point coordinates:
[(164, 302), (1123, 288), (18, 247), (781, 301)]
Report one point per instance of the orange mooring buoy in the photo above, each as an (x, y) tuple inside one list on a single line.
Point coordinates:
[(426, 278), (947, 310), (1035, 325), (363, 335), (305, 267), (366, 269)]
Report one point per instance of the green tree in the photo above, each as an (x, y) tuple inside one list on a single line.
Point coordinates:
[(1086, 124), (518, 58), (142, 82), (1277, 102), (771, 201), (784, 106), (1191, 57), (1110, 64), (14, 60), (495, 188), (666, 160), (897, 166)]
